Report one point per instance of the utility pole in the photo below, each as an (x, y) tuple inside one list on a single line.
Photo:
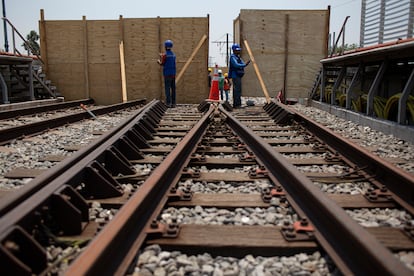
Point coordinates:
[(227, 49), (6, 42), (226, 42)]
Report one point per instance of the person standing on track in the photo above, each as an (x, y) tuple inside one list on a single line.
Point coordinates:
[(167, 60), (227, 86), (221, 83), (236, 72)]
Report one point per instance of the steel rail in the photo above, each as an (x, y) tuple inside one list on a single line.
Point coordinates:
[(11, 113), (399, 182), (352, 248), (11, 133), (56, 193), (12, 200), (125, 233)]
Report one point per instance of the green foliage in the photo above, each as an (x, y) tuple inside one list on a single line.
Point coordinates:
[(32, 45), (347, 47)]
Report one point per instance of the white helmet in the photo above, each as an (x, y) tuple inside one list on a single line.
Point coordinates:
[(219, 71)]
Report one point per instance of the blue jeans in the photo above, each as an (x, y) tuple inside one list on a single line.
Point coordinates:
[(226, 93), (169, 83), (237, 90)]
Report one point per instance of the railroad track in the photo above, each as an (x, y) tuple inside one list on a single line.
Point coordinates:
[(153, 173), (11, 130)]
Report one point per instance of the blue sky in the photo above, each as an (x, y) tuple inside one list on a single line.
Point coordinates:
[(25, 14)]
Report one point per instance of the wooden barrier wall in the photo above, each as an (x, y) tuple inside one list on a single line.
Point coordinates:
[(115, 60), (287, 46)]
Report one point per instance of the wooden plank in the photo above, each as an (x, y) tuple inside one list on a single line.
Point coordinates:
[(306, 45), (227, 177), (190, 59), (123, 75), (43, 41), (357, 201), (256, 69), (223, 201), (86, 57), (24, 173), (392, 238), (234, 240), (53, 158), (74, 46), (235, 200)]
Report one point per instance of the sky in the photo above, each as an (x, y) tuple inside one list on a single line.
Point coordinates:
[(25, 14)]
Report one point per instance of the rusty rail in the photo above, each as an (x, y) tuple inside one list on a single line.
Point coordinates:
[(17, 132), (398, 182), (58, 196), (354, 250), (350, 246), (126, 232)]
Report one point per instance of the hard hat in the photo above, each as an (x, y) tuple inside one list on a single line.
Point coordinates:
[(226, 75), (209, 69), (168, 44), (236, 47), (219, 71)]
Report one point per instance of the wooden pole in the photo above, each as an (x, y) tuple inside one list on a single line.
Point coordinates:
[(187, 63), (123, 75), (86, 56), (161, 78), (256, 69), (122, 60), (286, 57), (43, 41)]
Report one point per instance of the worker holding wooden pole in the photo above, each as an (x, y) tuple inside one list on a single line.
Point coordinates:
[(167, 60), (236, 72)]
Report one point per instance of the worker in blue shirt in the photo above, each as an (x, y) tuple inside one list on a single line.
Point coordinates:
[(236, 72), (167, 60)]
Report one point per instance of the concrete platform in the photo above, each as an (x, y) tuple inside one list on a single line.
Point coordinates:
[(402, 132)]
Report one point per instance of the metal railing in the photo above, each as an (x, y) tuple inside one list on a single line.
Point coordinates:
[(340, 35), (31, 51), (25, 42)]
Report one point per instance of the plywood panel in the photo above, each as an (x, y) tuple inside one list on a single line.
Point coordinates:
[(105, 82), (92, 47), (63, 76), (65, 41), (304, 45), (103, 41)]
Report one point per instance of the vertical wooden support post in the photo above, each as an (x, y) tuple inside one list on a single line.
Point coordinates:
[(207, 50), (86, 56), (160, 51), (122, 60), (402, 102), (123, 74), (374, 88), (43, 41), (328, 18), (187, 63), (285, 64)]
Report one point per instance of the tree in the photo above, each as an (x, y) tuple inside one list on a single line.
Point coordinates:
[(32, 47), (347, 47)]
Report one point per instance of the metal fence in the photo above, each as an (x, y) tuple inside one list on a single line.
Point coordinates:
[(386, 20)]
